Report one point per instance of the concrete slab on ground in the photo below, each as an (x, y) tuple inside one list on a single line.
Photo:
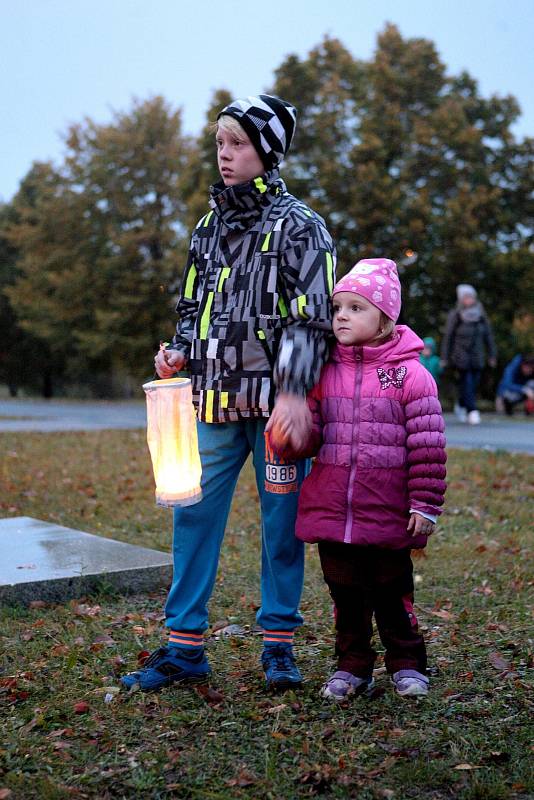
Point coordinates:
[(43, 561)]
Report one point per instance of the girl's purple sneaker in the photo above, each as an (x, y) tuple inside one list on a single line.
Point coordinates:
[(342, 684), (410, 683)]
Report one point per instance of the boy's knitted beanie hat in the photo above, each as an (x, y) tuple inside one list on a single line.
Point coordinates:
[(268, 121), (429, 342), (377, 280)]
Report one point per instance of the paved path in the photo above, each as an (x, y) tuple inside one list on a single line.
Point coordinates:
[(495, 432), (65, 415)]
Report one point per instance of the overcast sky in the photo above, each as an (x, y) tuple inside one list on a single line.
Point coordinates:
[(62, 60)]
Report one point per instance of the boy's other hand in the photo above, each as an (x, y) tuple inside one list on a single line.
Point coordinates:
[(167, 362), (290, 422), (419, 524)]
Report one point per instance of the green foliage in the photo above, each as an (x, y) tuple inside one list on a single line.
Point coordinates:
[(401, 158), (100, 244)]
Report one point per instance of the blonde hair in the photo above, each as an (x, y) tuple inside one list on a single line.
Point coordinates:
[(231, 126)]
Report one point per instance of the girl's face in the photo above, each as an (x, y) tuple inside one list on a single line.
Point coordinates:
[(237, 158), (356, 321)]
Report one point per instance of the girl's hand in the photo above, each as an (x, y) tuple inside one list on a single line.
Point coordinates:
[(419, 524)]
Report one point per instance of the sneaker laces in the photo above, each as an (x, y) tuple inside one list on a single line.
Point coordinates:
[(153, 657), (281, 657)]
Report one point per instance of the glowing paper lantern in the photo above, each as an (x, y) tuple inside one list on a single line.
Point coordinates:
[(172, 441)]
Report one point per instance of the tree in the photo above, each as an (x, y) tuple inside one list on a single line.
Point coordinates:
[(408, 162), (104, 244)]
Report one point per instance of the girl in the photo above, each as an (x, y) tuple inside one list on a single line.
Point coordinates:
[(377, 484)]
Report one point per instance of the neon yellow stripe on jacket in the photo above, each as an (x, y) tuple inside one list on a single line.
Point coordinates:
[(330, 272), (205, 319), (190, 281), (224, 274), (210, 393), (265, 245), (301, 302)]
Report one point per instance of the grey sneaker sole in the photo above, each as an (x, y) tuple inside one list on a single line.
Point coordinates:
[(365, 690)]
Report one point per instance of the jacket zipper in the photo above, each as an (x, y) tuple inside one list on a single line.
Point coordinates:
[(354, 447)]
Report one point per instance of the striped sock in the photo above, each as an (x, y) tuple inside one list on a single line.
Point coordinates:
[(271, 638), (193, 641)]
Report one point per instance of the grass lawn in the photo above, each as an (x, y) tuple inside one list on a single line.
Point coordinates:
[(67, 732)]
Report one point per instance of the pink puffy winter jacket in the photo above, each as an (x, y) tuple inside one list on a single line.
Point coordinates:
[(379, 433)]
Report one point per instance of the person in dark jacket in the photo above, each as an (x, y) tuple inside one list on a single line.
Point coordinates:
[(517, 384), (467, 343), (254, 318)]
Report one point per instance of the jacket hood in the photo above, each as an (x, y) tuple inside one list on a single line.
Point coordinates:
[(240, 206), (404, 344)]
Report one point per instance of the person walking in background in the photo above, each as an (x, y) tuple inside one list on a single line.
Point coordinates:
[(429, 358), (517, 385), (254, 317), (377, 484), (467, 343)]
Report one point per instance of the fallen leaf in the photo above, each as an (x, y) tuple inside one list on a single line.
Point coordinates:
[(142, 656), (81, 708), (244, 778), (276, 709), (38, 604), (60, 650), (500, 663), (467, 766), (104, 639), (83, 610), (5, 793), (210, 695)]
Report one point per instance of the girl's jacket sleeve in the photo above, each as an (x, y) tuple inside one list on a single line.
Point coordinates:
[(307, 276), (188, 305), (426, 445)]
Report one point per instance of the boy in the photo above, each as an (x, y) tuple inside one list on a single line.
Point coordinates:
[(254, 319)]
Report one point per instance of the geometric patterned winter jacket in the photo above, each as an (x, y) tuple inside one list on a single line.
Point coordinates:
[(254, 307), (379, 433)]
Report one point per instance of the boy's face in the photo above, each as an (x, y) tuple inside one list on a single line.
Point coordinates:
[(356, 321), (237, 159)]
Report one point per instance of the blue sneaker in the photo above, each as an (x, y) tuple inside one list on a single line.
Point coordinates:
[(279, 666), (168, 665)]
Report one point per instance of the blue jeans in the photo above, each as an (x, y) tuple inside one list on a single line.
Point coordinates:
[(199, 531), (468, 385)]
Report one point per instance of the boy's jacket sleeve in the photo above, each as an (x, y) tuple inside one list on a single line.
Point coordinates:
[(187, 306), (307, 277)]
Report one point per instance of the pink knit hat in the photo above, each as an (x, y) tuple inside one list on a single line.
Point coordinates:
[(377, 280)]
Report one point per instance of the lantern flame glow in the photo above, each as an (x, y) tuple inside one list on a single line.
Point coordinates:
[(172, 441)]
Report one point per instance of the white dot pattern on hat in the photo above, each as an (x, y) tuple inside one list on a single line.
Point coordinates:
[(377, 280)]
